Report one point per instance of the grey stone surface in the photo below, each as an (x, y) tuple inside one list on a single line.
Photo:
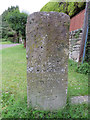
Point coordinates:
[(79, 99), (47, 59), (74, 45)]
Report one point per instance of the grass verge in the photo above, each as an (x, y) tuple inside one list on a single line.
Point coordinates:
[(4, 41)]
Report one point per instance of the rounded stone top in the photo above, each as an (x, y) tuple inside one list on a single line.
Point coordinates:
[(49, 15)]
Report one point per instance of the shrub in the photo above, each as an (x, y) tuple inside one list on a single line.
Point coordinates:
[(70, 8), (83, 68), (72, 64), (77, 33)]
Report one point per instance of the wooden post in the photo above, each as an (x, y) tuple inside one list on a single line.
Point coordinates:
[(84, 33)]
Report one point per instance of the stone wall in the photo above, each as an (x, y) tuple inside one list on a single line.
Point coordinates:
[(74, 44), (47, 35)]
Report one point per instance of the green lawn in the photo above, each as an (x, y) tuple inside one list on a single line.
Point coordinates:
[(14, 71), (77, 83), (5, 42), (14, 88)]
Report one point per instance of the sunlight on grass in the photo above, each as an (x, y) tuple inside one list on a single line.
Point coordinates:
[(14, 70), (77, 83)]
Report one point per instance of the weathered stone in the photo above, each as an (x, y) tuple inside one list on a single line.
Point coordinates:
[(79, 99), (74, 45), (47, 59)]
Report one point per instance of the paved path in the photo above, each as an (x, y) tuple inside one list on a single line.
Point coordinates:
[(7, 45)]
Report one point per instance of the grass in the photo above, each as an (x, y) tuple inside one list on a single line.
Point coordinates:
[(77, 83), (14, 88), (14, 70), (4, 41)]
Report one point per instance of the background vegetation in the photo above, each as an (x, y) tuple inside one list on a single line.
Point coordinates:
[(70, 8), (13, 24)]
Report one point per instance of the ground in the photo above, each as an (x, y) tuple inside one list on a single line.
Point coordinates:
[(2, 46), (14, 88)]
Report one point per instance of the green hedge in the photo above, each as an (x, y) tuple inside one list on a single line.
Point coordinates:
[(70, 8), (83, 68)]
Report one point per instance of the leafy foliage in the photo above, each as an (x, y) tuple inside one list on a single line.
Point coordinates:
[(10, 9), (77, 33), (5, 25), (83, 68), (70, 8), (13, 22), (17, 21), (87, 56)]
